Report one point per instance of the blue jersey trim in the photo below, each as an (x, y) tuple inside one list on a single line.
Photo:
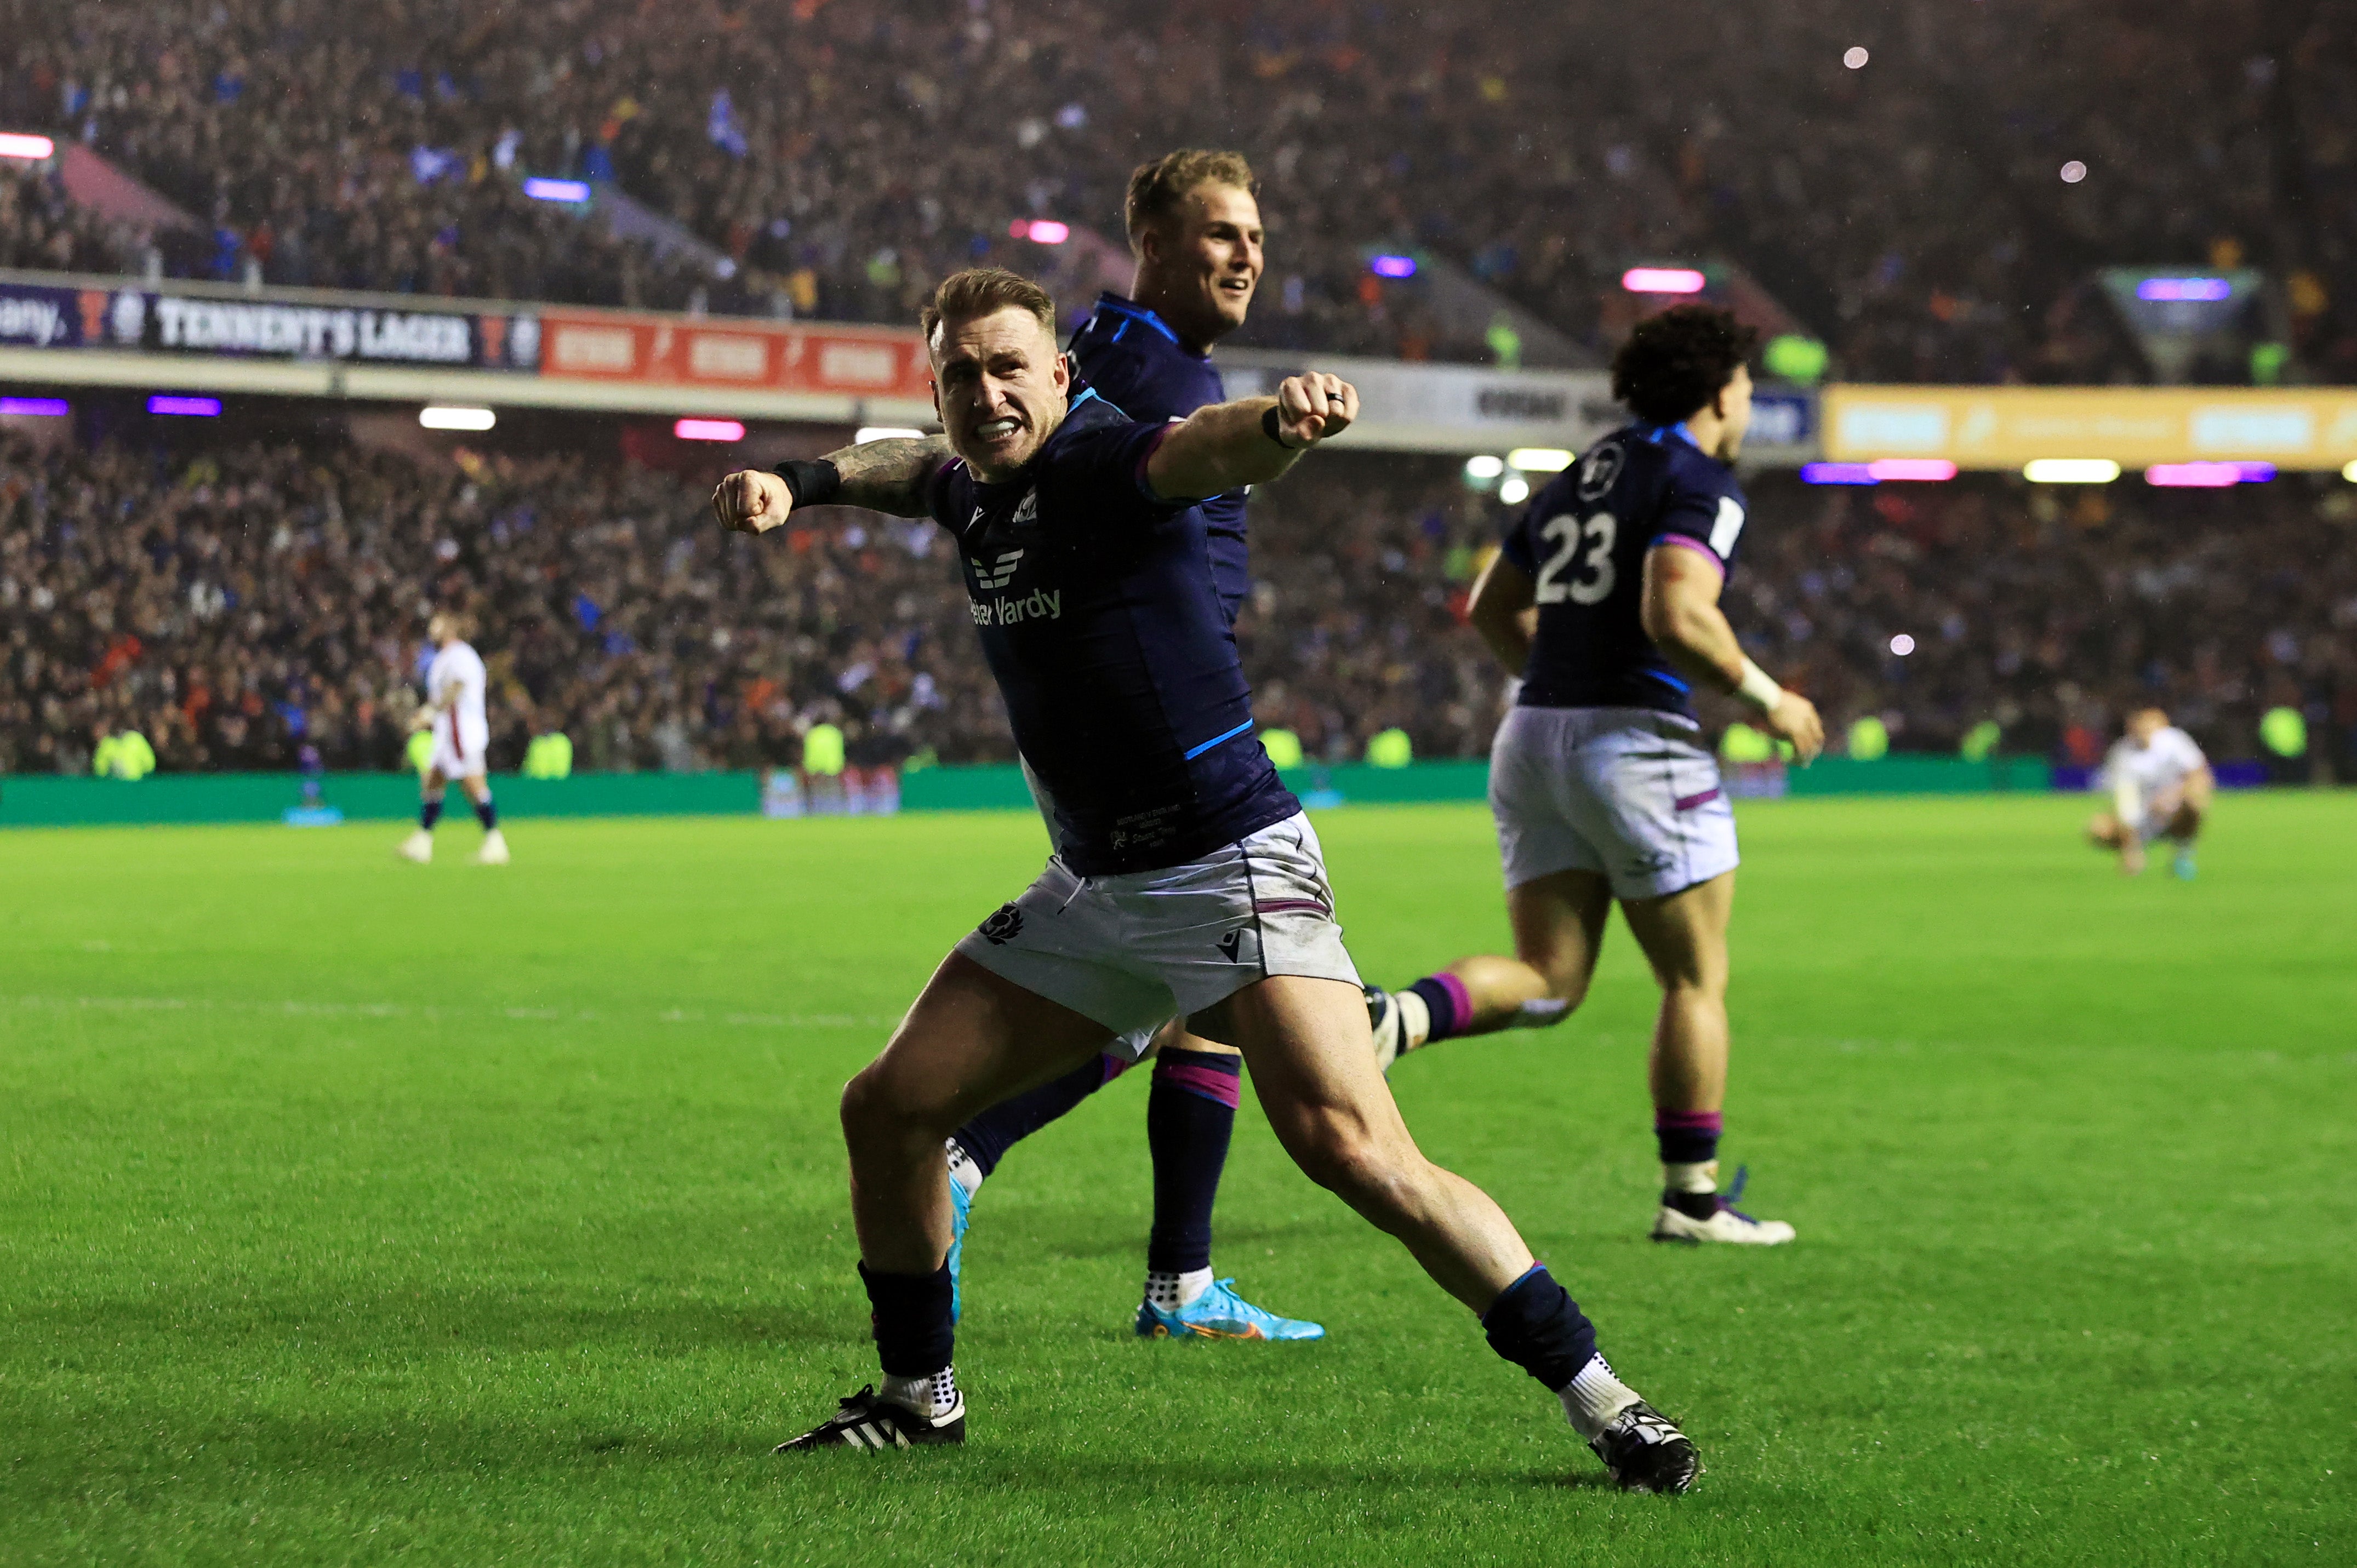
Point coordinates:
[(1666, 678), (1119, 330), (1131, 311), (1091, 394), (1655, 433), (1216, 740)]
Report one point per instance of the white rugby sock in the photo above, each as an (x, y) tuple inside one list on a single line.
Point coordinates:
[(962, 1170), (933, 1394), (1543, 1014), (1170, 1292), (1702, 1177), (1594, 1397), (1415, 1019)]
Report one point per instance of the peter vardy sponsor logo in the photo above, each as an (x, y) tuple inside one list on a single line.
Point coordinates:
[(1040, 604), (40, 322)]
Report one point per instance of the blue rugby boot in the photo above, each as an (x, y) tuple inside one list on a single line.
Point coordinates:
[(1221, 1314), (2181, 864), (960, 1216)]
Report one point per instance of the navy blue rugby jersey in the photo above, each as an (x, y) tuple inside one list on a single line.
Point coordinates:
[(1094, 602), (1584, 542), (1136, 362)]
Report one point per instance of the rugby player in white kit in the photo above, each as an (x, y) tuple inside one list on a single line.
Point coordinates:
[(2161, 785), (455, 686)]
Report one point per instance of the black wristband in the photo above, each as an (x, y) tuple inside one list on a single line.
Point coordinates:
[(813, 483), (1269, 426)]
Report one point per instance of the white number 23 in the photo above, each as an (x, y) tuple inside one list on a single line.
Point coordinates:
[(1595, 577)]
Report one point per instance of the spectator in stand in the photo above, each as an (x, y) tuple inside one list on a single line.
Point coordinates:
[(238, 607), (1911, 209)]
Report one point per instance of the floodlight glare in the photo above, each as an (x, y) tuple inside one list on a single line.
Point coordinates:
[(1514, 491), (184, 407), (35, 148), (1927, 469), (708, 430), (1539, 460), (37, 407), (1484, 467), (2071, 471), (442, 418), (1392, 266), (885, 433), (1663, 280), (571, 190)]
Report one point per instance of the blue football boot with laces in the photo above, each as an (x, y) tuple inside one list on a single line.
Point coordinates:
[(1221, 1314), (960, 1216)]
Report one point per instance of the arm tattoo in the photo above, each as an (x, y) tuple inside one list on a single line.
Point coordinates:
[(889, 476)]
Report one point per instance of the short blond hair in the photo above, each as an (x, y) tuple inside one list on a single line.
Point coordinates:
[(979, 291), (1157, 189)]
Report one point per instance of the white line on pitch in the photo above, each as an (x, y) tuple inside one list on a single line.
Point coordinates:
[(400, 1010)]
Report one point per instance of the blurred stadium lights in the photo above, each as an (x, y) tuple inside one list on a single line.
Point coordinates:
[(886, 432), (1902, 645), (1514, 491), (572, 191), (437, 416), (1933, 470), (1391, 266), (1855, 57), (1838, 474), (2350, 471), (36, 407), (2073, 172), (1040, 231), (1484, 467), (1663, 280), (2209, 476), (2071, 471), (2185, 288), (1539, 460), (708, 430), (184, 407), (15, 145)]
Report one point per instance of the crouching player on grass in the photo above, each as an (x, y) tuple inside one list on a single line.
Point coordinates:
[(2161, 785), (1187, 880), (1604, 601)]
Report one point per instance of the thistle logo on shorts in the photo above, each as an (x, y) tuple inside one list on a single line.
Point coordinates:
[(998, 574), (1232, 944), (1003, 927)]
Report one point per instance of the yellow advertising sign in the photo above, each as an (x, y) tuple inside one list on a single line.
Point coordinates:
[(2005, 427)]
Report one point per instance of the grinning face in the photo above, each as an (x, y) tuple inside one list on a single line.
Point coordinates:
[(1735, 414), (999, 387), (1198, 268)]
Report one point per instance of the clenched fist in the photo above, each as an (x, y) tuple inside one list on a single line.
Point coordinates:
[(1314, 407), (751, 502)]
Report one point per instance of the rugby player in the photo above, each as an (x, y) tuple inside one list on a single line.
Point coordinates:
[(1605, 602), (455, 683), (2161, 787), (1187, 880), (1195, 230)]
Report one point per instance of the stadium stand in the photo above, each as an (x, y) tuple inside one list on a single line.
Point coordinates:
[(237, 606), (380, 146)]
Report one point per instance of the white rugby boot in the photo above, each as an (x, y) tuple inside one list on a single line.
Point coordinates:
[(494, 851), (418, 846), (1727, 1223)]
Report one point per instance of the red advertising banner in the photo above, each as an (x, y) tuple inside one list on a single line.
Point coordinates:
[(756, 355)]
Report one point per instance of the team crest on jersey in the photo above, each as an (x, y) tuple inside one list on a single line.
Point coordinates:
[(1026, 511), (998, 574), (1599, 469), (1004, 926)]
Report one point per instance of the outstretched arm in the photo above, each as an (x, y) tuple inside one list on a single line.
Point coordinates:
[(882, 476), (1253, 440)]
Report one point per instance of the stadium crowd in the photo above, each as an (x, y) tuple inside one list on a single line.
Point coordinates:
[(843, 154), (238, 607)]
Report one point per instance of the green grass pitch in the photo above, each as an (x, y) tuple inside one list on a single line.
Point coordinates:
[(353, 1211)]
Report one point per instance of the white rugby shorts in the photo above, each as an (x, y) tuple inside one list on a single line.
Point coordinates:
[(461, 750), (1626, 792), (1134, 951)]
